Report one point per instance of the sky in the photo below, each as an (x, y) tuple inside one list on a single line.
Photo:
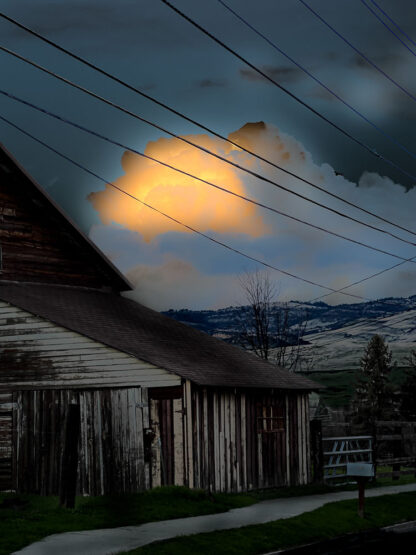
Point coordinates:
[(149, 46)]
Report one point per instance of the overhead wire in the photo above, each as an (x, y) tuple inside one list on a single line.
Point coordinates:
[(359, 52), (209, 130), (183, 172), (385, 134), (355, 325), (393, 22), (188, 227), (371, 10), (179, 222), (182, 224), (281, 51), (358, 282), (203, 149), (284, 89)]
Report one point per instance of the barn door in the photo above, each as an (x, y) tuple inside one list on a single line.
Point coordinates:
[(166, 416), (271, 441)]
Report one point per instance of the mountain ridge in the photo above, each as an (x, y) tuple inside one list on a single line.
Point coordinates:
[(335, 335)]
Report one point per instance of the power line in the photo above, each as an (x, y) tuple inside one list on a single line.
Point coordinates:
[(205, 128), (224, 245), (379, 273), (312, 76), (366, 58), (370, 9), (349, 106), (247, 199), (216, 241), (203, 149), (282, 88), (362, 324), (393, 22)]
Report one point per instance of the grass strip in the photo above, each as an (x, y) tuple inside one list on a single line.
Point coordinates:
[(25, 519), (330, 521)]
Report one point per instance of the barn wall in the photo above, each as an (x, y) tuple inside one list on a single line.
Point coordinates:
[(6, 426), (211, 438), (233, 440), (34, 350), (111, 451), (242, 440)]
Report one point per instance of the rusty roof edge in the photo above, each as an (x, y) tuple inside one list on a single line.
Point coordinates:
[(49, 199)]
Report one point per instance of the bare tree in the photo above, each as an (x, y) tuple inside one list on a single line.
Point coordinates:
[(265, 326)]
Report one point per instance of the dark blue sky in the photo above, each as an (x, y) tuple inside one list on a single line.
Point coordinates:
[(146, 44)]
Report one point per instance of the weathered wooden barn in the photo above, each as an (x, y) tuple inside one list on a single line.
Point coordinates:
[(156, 402)]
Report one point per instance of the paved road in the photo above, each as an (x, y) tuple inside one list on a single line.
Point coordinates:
[(114, 540)]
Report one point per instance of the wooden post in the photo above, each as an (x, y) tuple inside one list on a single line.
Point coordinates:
[(317, 451), (396, 471), (70, 457), (361, 496)]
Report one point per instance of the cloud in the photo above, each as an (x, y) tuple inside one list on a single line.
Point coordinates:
[(177, 284), (389, 59), (187, 200), (278, 73), (209, 83), (176, 269)]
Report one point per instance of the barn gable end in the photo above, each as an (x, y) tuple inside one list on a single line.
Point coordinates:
[(38, 242)]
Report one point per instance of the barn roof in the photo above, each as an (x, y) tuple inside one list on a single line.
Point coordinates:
[(150, 336)]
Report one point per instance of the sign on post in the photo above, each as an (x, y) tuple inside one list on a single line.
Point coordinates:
[(361, 472)]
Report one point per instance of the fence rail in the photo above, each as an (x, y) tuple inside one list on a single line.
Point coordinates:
[(393, 445), (339, 451)]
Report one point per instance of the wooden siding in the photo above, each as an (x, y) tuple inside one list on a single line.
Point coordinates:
[(211, 438), (233, 440), (111, 448), (6, 426), (36, 353), (39, 244)]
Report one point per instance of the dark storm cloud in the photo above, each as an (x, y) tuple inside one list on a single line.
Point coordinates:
[(125, 22), (321, 93), (383, 59), (74, 15), (207, 83), (279, 73)]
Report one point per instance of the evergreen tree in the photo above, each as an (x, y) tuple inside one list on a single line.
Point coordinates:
[(373, 398), (408, 394)]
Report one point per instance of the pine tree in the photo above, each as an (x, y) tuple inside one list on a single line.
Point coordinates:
[(373, 398), (408, 391)]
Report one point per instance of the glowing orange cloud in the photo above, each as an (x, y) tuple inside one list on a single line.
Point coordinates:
[(182, 197)]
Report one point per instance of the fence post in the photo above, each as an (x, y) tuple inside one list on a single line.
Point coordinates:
[(317, 454)]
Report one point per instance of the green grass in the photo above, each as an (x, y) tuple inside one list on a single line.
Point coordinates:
[(330, 521), (340, 384), (34, 517)]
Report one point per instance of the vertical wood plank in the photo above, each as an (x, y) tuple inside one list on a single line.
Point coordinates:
[(178, 442), (221, 438), (145, 424), (156, 462), (189, 433), (205, 438)]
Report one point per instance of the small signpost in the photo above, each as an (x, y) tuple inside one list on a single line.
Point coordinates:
[(361, 472)]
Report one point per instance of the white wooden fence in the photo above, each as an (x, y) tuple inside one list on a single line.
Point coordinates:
[(338, 451)]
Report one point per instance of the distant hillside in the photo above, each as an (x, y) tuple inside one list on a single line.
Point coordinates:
[(335, 335)]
